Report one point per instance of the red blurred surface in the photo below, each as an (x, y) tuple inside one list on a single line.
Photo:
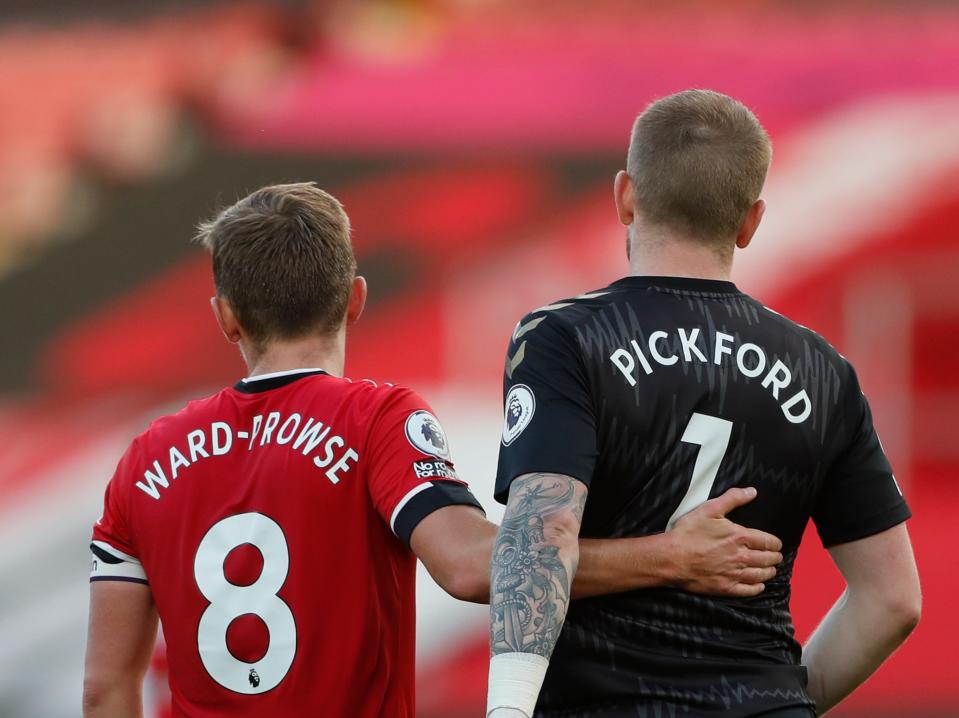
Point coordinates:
[(488, 232), (181, 348)]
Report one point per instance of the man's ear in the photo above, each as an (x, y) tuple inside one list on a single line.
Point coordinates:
[(226, 319), (357, 300), (754, 215), (625, 197)]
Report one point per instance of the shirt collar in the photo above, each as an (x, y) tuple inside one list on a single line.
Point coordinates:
[(273, 380)]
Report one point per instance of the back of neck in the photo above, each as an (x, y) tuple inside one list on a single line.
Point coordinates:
[(677, 257), (327, 353)]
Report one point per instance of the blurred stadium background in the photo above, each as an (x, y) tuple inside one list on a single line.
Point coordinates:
[(473, 143)]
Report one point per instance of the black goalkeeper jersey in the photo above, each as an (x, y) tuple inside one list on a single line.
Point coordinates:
[(660, 393)]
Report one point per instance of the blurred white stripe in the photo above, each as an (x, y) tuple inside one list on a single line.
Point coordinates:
[(839, 181)]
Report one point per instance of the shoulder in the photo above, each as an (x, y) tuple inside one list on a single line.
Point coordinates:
[(384, 405), (549, 337), (836, 374), (375, 394), (394, 412), (808, 336), (160, 434), (188, 418), (559, 319), (365, 394)]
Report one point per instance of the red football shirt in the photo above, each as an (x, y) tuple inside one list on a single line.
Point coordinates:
[(271, 522)]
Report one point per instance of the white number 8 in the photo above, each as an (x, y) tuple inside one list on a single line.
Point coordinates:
[(229, 601)]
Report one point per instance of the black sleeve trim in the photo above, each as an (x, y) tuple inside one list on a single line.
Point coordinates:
[(502, 495), (866, 526), (440, 495), (104, 555), (128, 579)]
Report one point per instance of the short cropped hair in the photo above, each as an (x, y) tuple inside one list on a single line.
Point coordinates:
[(698, 161), (283, 259)]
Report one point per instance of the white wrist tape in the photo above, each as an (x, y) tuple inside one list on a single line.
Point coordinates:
[(514, 681)]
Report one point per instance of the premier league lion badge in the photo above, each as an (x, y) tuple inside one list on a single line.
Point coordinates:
[(520, 406), (426, 434)]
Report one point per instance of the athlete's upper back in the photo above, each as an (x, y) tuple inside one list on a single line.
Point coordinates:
[(271, 522), (660, 393)]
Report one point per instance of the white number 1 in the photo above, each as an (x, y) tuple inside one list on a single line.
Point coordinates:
[(712, 435)]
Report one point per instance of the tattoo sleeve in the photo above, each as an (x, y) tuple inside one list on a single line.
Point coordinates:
[(531, 570)]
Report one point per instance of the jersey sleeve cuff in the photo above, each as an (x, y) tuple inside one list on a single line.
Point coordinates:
[(423, 500), (866, 526), (111, 564), (501, 492)]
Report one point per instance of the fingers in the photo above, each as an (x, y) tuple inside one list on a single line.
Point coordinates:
[(746, 590), (751, 581), (761, 541), (747, 583), (761, 559), (756, 575), (733, 498)]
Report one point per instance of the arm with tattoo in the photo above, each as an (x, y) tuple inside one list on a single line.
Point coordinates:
[(704, 553), (534, 561)]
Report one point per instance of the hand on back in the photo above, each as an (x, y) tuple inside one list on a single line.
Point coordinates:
[(718, 557)]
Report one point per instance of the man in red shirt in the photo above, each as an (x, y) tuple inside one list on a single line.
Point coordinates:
[(274, 526)]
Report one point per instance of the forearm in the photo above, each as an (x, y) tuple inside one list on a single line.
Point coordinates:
[(852, 641), (605, 566), (534, 560), (117, 700), (616, 565), (531, 583), (705, 553)]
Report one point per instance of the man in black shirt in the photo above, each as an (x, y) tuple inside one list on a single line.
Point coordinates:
[(654, 394)]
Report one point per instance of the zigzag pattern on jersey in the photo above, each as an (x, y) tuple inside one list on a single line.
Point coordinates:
[(749, 471), (669, 702), (647, 512), (814, 371), (666, 460), (514, 359), (664, 624), (659, 457), (726, 693), (822, 382), (686, 625), (661, 631), (607, 329)]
